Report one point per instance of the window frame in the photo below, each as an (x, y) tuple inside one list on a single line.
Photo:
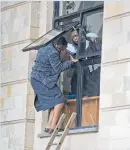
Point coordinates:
[(58, 19)]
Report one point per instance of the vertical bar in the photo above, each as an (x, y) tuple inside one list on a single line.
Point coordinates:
[(79, 94), (79, 81), (79, 76)]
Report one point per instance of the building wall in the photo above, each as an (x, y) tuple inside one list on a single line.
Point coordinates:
[(114, 123), (22, 22), (19, 27)]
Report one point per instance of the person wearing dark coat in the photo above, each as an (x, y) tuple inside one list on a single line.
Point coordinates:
[(50, 62)]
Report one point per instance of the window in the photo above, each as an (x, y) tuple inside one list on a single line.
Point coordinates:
[(85, 84), (80, 85)]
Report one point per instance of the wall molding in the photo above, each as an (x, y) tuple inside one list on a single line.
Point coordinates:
[(17, 43), (15, 5), (116, 62), (18, 121), (121, 15), (114, 108), (14, 82)]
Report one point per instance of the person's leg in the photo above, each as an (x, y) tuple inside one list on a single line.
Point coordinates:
[(57, 113), (51, 114)]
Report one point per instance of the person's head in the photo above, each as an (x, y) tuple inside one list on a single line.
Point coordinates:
[(74, 35), (61, 44)]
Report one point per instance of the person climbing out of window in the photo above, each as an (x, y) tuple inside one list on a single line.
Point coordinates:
[(50, 62)]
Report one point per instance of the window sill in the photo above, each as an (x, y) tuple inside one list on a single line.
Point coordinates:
[(81, 130)]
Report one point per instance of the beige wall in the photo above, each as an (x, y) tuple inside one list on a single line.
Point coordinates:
[(46, 14), (20, 124), (20, 26), (114, 126)]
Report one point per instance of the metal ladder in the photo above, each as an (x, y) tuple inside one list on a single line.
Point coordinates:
[(65, 132)]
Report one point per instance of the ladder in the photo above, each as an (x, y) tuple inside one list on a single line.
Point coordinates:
[(65, 132)]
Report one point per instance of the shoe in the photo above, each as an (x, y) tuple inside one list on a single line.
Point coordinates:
[(50, 131), (46, 130)]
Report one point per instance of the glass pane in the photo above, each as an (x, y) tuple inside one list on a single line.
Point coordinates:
[(43, 40), (67, 23), (94, 23), (68, 7), (91, 93), (91, 80), (89, 4)]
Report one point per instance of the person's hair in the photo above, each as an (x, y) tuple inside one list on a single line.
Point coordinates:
[(75, 29), (62, 41)]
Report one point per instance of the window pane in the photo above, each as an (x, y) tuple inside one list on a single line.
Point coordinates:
[(43, 40), (68, 7), (94, 23), (91, 78), (66, 23)]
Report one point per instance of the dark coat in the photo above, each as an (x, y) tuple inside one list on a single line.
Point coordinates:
[(44, 76), (48, 66)]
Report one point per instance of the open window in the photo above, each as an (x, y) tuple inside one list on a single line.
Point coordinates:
[(83, 90), (81, 86), (47, 38)]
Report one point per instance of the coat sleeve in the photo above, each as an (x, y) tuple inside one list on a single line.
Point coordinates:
[(56, 63)]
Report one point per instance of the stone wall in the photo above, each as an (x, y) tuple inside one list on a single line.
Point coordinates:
[(20, 26), (115, 76), (22, 22), (46, 15)]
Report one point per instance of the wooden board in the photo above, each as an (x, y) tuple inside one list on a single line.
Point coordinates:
[(90, 111)]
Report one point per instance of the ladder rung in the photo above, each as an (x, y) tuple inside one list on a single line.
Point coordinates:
[(53, 144)]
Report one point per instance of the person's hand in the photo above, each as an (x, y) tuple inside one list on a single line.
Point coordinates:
[(64, 56), (72, 59)]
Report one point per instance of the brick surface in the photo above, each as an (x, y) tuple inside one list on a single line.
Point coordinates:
[(14, 75), (35, 14), (13, 136), (6, 54), (115, 85), (30, 89), (119, 144), (15, 105), (29, 139), (114, 8), (34, 33), (116, 118), (18, 20), (19, 89), (30, 110), (116, 39), (14, 108)]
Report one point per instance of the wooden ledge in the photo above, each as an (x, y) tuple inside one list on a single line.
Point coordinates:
[(85, 99)]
